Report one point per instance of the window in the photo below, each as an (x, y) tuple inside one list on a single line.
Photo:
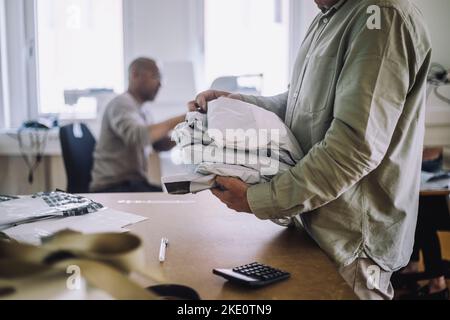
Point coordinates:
[(4, 104), (248, 37), (79, 54)]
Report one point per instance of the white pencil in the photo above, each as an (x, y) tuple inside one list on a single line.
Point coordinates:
[(162, 250)]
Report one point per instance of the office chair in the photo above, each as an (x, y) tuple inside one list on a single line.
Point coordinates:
[(78, 144)]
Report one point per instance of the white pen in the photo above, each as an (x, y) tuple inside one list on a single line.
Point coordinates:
[(162, 250)]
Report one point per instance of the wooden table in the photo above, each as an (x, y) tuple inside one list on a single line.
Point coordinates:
[(433, 193), (204, 235)]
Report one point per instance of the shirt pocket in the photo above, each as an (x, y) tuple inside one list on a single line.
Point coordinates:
[(318, 84)]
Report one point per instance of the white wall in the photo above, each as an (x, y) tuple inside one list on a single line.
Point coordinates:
[(437, 16), (17, 71), (172, 30), (160, 28), (167, 30)]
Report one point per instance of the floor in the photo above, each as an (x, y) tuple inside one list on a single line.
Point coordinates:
[(445, 244)]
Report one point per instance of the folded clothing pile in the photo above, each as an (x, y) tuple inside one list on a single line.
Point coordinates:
[(234, 139)]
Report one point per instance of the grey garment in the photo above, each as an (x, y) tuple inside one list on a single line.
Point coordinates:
[(356, 106), (192, 131), (120, 155), (253, 153), (236, 139), (246, 174), (368, 280), (266, 167)]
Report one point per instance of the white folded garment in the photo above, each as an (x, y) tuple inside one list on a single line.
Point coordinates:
[(267, 166), (192, 131), (225, 115), (235, 139)]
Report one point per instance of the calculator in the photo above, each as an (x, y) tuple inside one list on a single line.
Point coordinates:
[(253, 275)]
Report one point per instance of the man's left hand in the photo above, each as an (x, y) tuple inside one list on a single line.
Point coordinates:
[(233, 193)]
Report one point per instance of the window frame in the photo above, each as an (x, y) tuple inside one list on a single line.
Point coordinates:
[(30, 13), (32, 65), (15, 80), (4, 104)]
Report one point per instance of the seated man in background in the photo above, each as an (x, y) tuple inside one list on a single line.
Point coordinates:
[(128, 137)]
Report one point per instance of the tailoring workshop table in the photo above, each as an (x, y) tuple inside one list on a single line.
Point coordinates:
[(204, 235)]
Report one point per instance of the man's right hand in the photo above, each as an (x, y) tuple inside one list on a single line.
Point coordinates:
[(201, 102)]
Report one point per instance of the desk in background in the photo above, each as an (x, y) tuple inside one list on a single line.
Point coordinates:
[(435, 193), (204, 235)]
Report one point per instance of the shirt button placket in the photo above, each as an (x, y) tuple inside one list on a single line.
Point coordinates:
[(290, 117)]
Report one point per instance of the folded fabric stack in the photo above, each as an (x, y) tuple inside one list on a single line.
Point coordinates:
[(235, 139)]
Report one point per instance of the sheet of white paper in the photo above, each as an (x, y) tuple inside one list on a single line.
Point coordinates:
[(438, 184), (106, 220)]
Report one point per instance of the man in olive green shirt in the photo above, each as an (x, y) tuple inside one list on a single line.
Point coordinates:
[(356, 106)]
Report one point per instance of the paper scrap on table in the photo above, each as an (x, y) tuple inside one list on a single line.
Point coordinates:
[(103, 221)]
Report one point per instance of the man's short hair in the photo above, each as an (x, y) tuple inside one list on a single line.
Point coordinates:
[(143, 64)]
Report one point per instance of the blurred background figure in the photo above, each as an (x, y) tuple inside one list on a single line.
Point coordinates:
[(128, 135)]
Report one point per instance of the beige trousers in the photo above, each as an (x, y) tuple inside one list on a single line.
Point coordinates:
[(368, 280)]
